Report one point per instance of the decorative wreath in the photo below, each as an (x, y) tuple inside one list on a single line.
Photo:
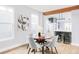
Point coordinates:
[(23, 23)]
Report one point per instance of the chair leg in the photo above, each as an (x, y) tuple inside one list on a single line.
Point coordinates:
[(47, 49), (29, 50), (34, 51), (56, 50), (52, 50)]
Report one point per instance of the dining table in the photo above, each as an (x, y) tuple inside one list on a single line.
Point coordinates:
[(41, 41)]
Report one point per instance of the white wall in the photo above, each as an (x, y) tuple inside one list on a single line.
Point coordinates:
[(20, 37), (75, 27)]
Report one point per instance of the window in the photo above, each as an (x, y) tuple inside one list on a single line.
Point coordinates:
[(34, 19), (34, 23), (6, 23)]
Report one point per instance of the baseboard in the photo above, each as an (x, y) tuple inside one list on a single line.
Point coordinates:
[(12, 47), (75, 44)]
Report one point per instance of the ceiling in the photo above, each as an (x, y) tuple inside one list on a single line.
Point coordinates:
[(44, 8)]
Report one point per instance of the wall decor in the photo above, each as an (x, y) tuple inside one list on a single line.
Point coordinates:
[(23, 23)]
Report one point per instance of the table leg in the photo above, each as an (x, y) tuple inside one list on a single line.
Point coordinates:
[(43, 50)]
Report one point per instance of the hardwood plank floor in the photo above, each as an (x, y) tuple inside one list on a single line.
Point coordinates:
[(62, 49)]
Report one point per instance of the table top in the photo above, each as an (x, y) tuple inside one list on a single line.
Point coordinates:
[(40, 40)]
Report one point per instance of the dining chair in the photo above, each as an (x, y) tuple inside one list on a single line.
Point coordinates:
[(55, 43), (35, 36), (32, 45), (52, 44)]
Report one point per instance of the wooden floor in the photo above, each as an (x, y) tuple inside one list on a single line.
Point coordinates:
[(62, 49)]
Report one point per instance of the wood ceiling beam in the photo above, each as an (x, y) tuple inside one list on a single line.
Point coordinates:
[(67, 9)]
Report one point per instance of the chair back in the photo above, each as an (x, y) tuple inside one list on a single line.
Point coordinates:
[(32, 43), (54, 41)]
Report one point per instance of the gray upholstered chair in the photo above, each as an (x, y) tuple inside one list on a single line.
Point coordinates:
[(33, 45), (52, 44)]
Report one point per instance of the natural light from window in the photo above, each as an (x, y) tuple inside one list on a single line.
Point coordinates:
[(6, 23), (34, 23)]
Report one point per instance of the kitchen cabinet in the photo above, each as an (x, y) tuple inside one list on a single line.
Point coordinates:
[(64, 37), (62, 22)]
